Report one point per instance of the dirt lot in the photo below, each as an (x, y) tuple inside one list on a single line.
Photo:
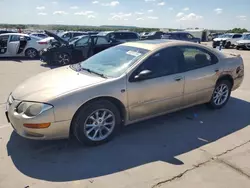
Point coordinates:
[(176, 150)]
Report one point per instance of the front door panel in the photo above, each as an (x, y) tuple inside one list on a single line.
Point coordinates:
[(199, 85), (154, 96)]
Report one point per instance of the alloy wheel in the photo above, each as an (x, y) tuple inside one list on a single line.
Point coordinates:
[(31, 53), (221, 94), (99, 124), (248, 46), (63, 59)]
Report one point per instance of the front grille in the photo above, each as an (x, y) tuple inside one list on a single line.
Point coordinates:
[(217, 43)]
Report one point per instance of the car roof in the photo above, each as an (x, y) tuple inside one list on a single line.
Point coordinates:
[(159, 43), (178, 32), (149, 44), (22, 34)]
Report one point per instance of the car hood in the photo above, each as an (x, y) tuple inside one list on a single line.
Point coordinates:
[(219, 39), (244, 41), (56, 37), (51, 84)]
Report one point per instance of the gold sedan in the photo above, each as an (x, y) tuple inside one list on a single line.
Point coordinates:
[(119, 86)]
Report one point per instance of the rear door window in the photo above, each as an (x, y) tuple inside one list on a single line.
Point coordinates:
[(195, 57), (14, 38)]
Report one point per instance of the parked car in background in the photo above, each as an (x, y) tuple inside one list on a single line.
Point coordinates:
[(6, 31), (79, 49), (20, 45), (71, 34), (40, 35), (178, 35), (144, 33), (244, 42), (121, 36), (124, 84), (227, 40), (153, 35)]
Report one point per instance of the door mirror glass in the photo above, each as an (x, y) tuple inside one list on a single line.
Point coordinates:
[(142, 75)]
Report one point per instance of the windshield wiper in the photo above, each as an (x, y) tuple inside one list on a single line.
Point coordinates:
[(77, 67), (91, 71)]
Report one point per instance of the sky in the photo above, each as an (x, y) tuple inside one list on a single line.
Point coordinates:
[(210, 14)]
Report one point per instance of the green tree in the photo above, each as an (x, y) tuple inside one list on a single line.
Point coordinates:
[(237, 30)]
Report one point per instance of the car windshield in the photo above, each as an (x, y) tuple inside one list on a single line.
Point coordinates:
[(246, 37), (226, 36), (114, 61)]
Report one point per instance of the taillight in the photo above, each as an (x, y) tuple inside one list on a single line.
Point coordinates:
[(42, 42)]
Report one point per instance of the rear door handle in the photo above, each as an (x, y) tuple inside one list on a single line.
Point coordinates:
[(177, 79)]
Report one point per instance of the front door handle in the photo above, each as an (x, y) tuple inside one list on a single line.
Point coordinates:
[(177, 79)]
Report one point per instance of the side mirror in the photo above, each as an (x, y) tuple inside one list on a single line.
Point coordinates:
[(142, 75), (22, 39)]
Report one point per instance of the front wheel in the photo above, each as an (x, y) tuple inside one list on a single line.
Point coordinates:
[(63, 59), (220, 95), (96, 123), (228, 44)]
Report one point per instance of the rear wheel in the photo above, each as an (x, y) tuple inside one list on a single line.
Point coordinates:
[(96, 123), (63, 59), (221, 94), (31, 53)]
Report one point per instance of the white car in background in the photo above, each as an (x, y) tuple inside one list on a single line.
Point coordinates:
[(227, 39), (244, 42), (40, 35), (20, 45)]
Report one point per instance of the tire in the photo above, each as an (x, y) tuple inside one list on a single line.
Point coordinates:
[(228, 44), (215, 104), (63, 59), (247, 47), (237, 48), (31, 53), (91, 135)]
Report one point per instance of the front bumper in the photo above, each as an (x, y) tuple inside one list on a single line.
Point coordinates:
[(57, 130), (217, 43), (47, 57)]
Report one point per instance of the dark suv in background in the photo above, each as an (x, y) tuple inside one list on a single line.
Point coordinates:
[(181, 36), (120, 36)]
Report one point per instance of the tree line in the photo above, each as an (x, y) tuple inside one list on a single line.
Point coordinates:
[(93, 28), (76, 27)]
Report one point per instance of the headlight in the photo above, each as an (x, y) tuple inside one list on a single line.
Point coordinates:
[(32, 109)]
